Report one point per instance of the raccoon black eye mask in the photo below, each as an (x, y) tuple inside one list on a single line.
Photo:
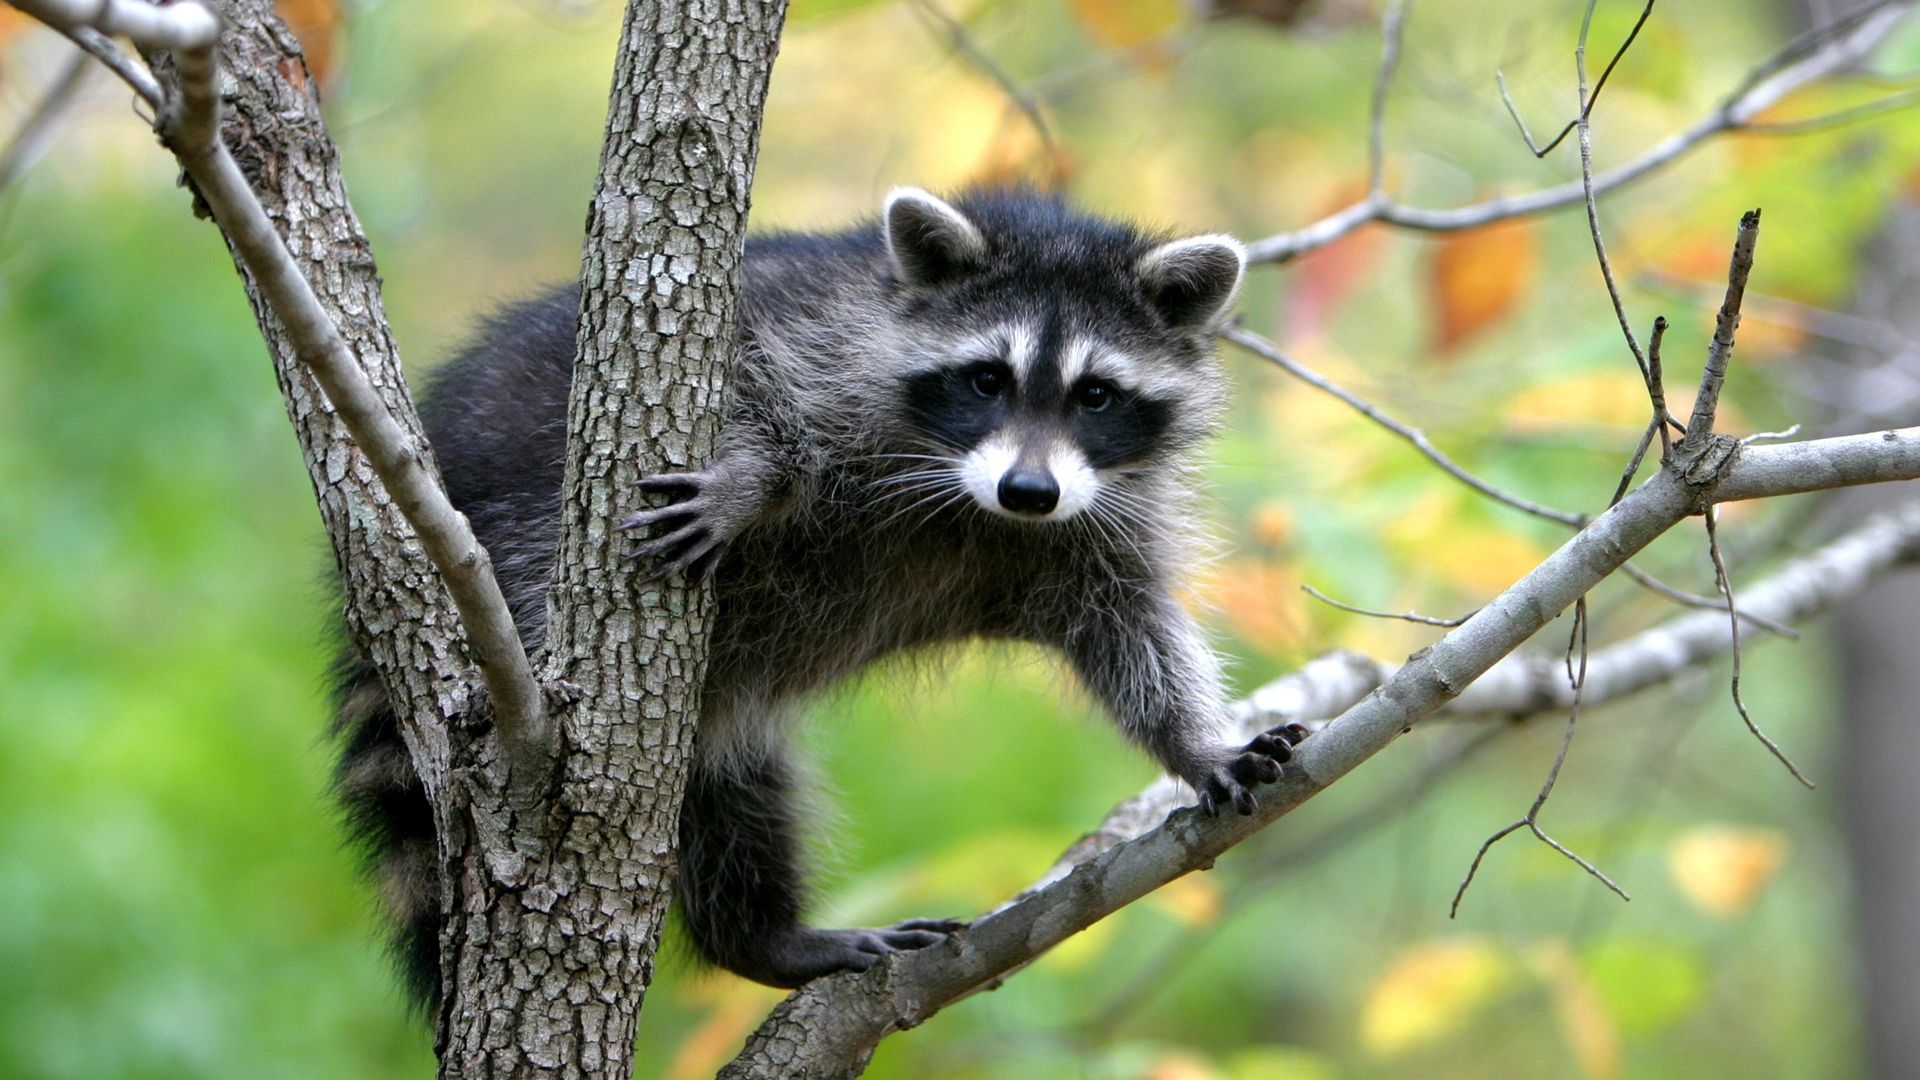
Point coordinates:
[(970, 418)]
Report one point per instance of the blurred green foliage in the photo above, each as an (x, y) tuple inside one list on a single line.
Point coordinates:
[(174, 898)]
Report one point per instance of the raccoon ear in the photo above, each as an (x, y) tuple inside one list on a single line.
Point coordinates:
[(1191, 282), (929, 240)]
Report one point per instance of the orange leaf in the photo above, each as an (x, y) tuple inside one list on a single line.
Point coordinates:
[(12, 22), (1261, 601), (1123, 24), (1321, 282), (1478, 275), (319, 25)]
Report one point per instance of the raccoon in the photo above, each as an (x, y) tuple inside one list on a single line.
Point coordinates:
[(970, 419)]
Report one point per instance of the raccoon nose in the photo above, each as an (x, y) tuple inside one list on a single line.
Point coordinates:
[(1026, 492)]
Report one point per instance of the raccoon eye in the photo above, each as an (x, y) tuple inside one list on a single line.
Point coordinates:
[(1094, 397), (989, 382)]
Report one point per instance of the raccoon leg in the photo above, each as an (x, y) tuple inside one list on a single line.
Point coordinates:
[(740, 883), (1143, 656)]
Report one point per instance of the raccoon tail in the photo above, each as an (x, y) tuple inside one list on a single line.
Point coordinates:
[(390, 821)]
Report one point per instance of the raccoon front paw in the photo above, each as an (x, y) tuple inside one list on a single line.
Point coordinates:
[(1259, 762), (711, 507), (807, 953)]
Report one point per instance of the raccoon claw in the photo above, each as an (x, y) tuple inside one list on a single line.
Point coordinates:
[(1261, 761), (807, 953), (700, 522)]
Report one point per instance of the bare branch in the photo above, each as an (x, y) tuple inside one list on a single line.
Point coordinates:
[(1585, 125), (1586, 108), (189, 124), (830, 1027), (1267, 350), (1414, 617), (1819, 53), (1577, 680)]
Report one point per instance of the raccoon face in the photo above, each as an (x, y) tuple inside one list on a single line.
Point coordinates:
[(1058, 356)]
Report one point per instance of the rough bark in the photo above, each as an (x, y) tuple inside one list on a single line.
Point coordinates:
[(552, 906), (554, 936)]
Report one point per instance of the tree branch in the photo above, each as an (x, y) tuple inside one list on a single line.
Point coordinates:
[(830, 1027), (189, 123), (1811, 57)]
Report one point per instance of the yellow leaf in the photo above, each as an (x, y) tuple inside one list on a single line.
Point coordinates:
[(1610, 398), (1451, 546), (1194, 900), (1478, 275), (1431, 992), (1123, 24), (1722, 868), (1584, 1021)]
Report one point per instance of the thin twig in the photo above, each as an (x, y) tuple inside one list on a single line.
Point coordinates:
[(1267, 350), (1725, 582), (1787, 432), (1708, 603), (1584, 124), (1392, 30), (1500, 80), (1577, 678), (1409, 616), (1825, 50), (1657, 389)]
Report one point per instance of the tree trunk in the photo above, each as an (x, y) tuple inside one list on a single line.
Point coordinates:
[(555, 938), (552, 905)]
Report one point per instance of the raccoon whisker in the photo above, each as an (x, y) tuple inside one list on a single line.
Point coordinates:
[(1112, 525), (960, 496), (912, 475), (921, 487), (911, 457), (945, 492)]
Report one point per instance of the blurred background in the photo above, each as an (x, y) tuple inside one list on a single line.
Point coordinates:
[(175, 900)]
